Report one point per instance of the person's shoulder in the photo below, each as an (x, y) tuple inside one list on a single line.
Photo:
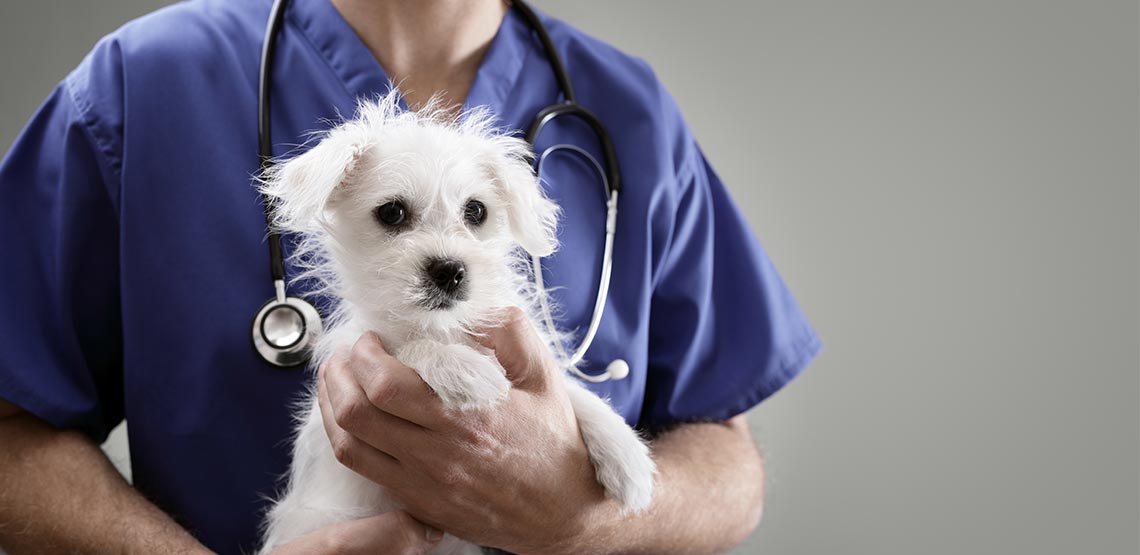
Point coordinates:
[(167, 48), (623, 86), (589, 55), (196, 26), (180, 38)]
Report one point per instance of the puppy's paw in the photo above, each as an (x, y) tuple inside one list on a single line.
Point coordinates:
[(625, 469), (462, 377), (621, 459), (477, 381)]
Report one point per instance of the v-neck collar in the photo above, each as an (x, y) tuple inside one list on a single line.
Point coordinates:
[(363, 77)]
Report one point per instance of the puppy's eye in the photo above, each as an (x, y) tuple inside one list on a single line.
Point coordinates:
[(475, 213), (391, 214)]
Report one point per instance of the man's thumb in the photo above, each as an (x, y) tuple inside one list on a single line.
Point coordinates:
[(519, 349)]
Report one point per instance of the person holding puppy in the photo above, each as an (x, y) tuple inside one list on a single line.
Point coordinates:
[(133, 234)]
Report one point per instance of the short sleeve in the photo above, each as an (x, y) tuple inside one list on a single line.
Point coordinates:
[(725, 332), (60, 327)]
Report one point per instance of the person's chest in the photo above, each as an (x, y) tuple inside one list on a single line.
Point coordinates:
[(195, 263), (210, 421)]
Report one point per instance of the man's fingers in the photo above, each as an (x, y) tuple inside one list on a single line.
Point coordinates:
[(352, 452), (520, 351), (393, 387), (354, 413), (372, 377)]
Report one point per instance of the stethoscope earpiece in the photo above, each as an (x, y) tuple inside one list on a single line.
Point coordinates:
[(616, 370)]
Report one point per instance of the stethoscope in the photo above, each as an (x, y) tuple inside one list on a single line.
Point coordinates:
[(285, 327)]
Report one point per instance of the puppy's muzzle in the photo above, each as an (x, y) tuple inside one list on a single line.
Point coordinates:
[(445, 279)]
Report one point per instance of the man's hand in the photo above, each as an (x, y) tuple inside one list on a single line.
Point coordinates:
[(515, 477), (395, 533)]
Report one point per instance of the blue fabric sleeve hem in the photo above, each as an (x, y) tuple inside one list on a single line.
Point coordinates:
[(808, 348), (28, 402)]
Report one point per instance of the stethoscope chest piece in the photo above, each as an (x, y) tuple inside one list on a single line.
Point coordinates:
[(284, 330)]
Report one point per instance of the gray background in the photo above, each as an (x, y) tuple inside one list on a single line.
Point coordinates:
[(951, 190)]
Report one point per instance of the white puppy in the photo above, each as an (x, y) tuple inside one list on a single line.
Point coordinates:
[(417, 223)]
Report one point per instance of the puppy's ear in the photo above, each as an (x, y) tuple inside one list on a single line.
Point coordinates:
[(532, 217), (303, 187)]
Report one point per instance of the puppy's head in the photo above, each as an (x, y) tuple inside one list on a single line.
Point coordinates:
[(418, 214)]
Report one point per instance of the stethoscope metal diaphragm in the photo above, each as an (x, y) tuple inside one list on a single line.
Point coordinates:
[(285, 328)]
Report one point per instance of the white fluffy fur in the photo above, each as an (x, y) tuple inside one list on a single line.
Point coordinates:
[(435, 164)]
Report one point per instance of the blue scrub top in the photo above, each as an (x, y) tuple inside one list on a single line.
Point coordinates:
[(134, 252)]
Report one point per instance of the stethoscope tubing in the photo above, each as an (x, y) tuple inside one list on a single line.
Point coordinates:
[(292, 354), (607, 261)]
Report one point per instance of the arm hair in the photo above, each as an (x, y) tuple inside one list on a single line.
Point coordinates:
[(60, 494)]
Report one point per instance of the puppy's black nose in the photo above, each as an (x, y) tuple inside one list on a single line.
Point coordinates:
[(446, 273)]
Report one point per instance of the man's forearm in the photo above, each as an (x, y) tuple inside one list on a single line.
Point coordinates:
[(710, 487), (60, 494)]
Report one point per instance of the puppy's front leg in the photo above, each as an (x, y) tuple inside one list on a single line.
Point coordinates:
[(621, 459), (462, 377)]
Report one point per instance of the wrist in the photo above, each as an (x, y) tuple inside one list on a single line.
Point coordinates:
[(596, 529)]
